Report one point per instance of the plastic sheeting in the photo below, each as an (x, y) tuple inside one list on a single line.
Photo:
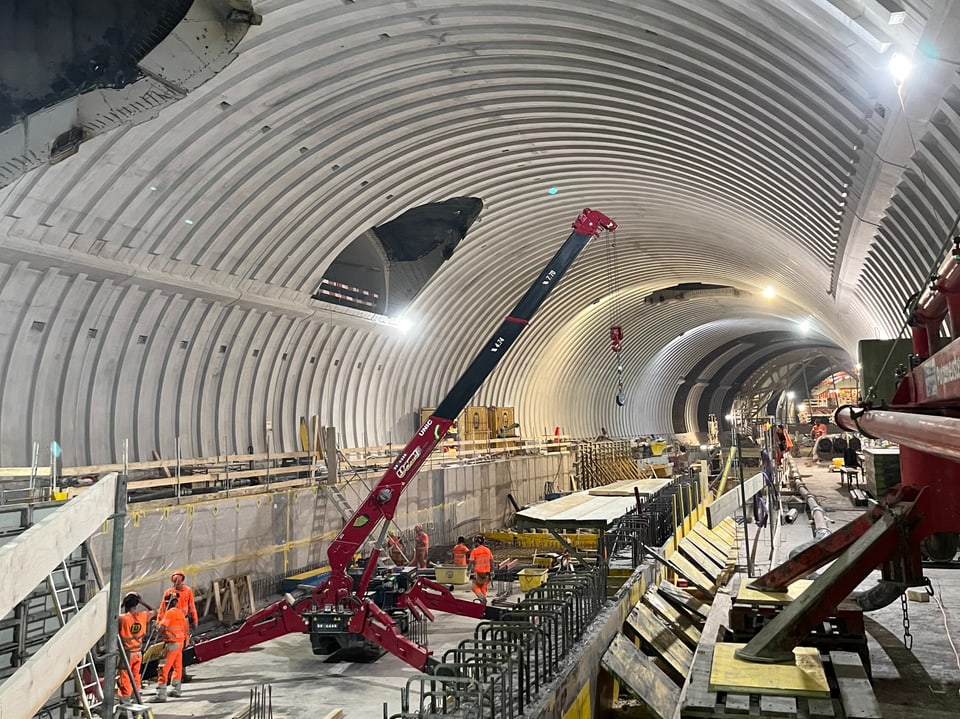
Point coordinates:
[(279, 533)]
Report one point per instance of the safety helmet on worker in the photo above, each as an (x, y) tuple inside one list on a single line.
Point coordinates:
[(418, 528), (479, 539), (178, 573)]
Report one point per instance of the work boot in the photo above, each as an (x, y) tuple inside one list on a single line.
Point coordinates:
[(161, 694), (175, 689)]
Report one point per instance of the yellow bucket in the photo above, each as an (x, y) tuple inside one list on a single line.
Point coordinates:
[(837, 462), (531, 578), (656, 448)]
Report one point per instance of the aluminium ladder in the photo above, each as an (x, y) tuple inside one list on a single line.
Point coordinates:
[(65, 601)]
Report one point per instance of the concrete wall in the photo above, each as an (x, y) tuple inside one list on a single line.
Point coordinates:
[(576, 692), (277, 533)]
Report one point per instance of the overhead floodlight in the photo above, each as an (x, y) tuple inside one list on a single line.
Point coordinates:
[(790, 395), (801, 407), (729, 417), (404, 324), (900, 67), (804, 326), (769, 292)]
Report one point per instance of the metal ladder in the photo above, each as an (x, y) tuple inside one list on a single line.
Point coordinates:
[(339, 501), (65, 601)]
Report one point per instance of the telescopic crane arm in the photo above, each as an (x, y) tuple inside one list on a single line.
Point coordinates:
[(338, 592)]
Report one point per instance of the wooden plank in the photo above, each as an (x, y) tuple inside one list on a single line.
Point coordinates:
[(679, 621), (32, 555), (737, 704), (752, 596), (23, 693), (683, 600), (335, 714), (696, 699), (777, 707), (683, 566), (720, 557), (720, 545), (856, 694), (644, 678), (707, 565), (805, 677), (661, 638), (728, 503)]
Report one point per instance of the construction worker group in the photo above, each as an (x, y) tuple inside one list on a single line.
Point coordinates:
[(174, 617), (479, 559)]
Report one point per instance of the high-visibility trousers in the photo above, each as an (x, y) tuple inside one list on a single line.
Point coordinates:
[(171, 666), (481, 580), (126, 686)]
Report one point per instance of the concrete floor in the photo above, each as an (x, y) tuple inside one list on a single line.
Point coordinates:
[(922, 683), (303, 685)]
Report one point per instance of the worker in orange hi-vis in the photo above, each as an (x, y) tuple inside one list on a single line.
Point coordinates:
[(422, 543), (460, 552), (132, 628), (184, 595), (173, 630), (481, 561), (395, 549)]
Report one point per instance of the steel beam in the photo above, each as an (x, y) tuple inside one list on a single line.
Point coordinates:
[(777, 640), (935, 435), (817, 555)]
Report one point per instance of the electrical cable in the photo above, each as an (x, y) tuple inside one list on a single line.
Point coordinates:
[(946, 626)]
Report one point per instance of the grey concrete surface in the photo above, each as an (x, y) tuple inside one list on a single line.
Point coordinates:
[(304, 685), (922, 682)]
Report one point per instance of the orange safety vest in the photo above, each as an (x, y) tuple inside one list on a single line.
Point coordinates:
[(482, 559), (460, 553), (185, 602), (133, 627), (174, 626)]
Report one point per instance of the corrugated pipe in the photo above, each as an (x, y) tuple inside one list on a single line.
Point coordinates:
[(813, 507)]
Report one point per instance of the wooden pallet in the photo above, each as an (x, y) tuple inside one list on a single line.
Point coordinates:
[(851, 697)]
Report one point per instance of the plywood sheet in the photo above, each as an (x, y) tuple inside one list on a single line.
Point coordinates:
[(644, 678), (803, 678), (663, 640), (686, 569), (752, 596)]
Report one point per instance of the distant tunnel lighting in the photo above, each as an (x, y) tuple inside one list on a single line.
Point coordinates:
[(790, 395), (552, 191), (729, 417), (900, 67), (189, 222), (801, 407), (153, 189), (404, 324), (769, 292), (804, 326)]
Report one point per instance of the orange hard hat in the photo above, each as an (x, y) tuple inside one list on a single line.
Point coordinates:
[(178, 573)]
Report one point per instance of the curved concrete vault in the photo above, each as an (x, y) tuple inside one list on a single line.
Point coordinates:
[(158, 283)]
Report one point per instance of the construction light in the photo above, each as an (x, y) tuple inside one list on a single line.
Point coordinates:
[(769, 292), (900, 67), (804, 326)]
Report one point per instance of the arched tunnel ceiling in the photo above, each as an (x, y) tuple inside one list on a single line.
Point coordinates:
[(157, 284)]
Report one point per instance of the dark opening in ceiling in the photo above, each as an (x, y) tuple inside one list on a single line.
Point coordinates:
[(384, 269)]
